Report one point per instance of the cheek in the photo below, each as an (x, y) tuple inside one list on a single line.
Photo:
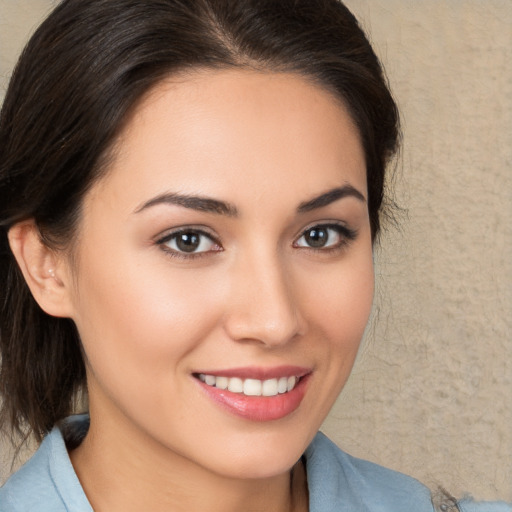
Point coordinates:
[(138, 321), (341, 301), (341, 305)]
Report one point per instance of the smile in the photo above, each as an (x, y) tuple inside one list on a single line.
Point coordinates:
[(251, 387), (256, 393)]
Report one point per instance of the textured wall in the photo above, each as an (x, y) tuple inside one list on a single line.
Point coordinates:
[(431, 394)]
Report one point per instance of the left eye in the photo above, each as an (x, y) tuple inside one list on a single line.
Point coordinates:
[(324, 237), (189, 242)]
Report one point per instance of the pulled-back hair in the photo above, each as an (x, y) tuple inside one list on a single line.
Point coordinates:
[(82, 73)]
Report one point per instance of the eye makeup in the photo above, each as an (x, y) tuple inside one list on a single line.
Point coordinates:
[(189, 242), (325, 237)]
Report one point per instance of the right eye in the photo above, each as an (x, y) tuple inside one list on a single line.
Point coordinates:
[(188, 243), (326, 237)]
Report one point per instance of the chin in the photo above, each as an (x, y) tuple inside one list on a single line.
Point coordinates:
[(258, 468), (259, 457)]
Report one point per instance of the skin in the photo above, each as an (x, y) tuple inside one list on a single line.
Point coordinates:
[(257, 295)]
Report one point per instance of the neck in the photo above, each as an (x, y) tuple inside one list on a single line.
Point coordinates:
[(123, 470)]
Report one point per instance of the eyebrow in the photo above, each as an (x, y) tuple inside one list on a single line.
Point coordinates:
[(199, 203), (329, 197), (209, 205)]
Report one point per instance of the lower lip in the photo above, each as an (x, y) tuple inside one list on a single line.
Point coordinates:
[(258, 408)]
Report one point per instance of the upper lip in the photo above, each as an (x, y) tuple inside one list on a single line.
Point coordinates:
[(259, 373)]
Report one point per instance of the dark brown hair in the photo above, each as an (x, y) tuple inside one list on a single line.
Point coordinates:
[(83, 71)]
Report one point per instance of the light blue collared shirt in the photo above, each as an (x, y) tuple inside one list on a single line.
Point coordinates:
[(336, 481)]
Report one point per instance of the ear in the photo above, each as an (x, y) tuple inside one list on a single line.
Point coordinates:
[(44, 269)]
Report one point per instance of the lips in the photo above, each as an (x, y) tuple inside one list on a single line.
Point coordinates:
[(256, 394)]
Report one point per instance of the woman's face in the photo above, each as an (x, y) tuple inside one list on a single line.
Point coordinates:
[(228, 246)]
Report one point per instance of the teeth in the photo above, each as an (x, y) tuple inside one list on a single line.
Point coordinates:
[(235, 385), (282, 385), (210, 380), (251, 387), (221, 382), (269, 387)]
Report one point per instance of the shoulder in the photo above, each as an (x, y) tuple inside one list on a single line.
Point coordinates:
[(468, 505), (32, 487), (335, 478), (46, 483)]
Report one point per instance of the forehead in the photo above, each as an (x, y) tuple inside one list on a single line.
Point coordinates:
[(237, 132)]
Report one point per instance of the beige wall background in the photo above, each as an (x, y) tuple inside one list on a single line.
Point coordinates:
[(431, 394)]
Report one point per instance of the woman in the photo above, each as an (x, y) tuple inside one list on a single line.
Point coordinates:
[(190, 193)]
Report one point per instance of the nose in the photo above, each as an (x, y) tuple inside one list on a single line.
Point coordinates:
[(263, 306)]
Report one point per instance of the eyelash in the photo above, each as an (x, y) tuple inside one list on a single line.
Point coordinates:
[(173, 236), (345, 234)]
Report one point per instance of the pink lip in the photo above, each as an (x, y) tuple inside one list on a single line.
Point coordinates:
[(259, 408), (256, 372)]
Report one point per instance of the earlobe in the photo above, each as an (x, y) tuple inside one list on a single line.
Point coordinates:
[(42, 268)]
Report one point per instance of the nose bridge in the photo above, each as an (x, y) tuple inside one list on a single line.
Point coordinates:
[(263, 305)]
